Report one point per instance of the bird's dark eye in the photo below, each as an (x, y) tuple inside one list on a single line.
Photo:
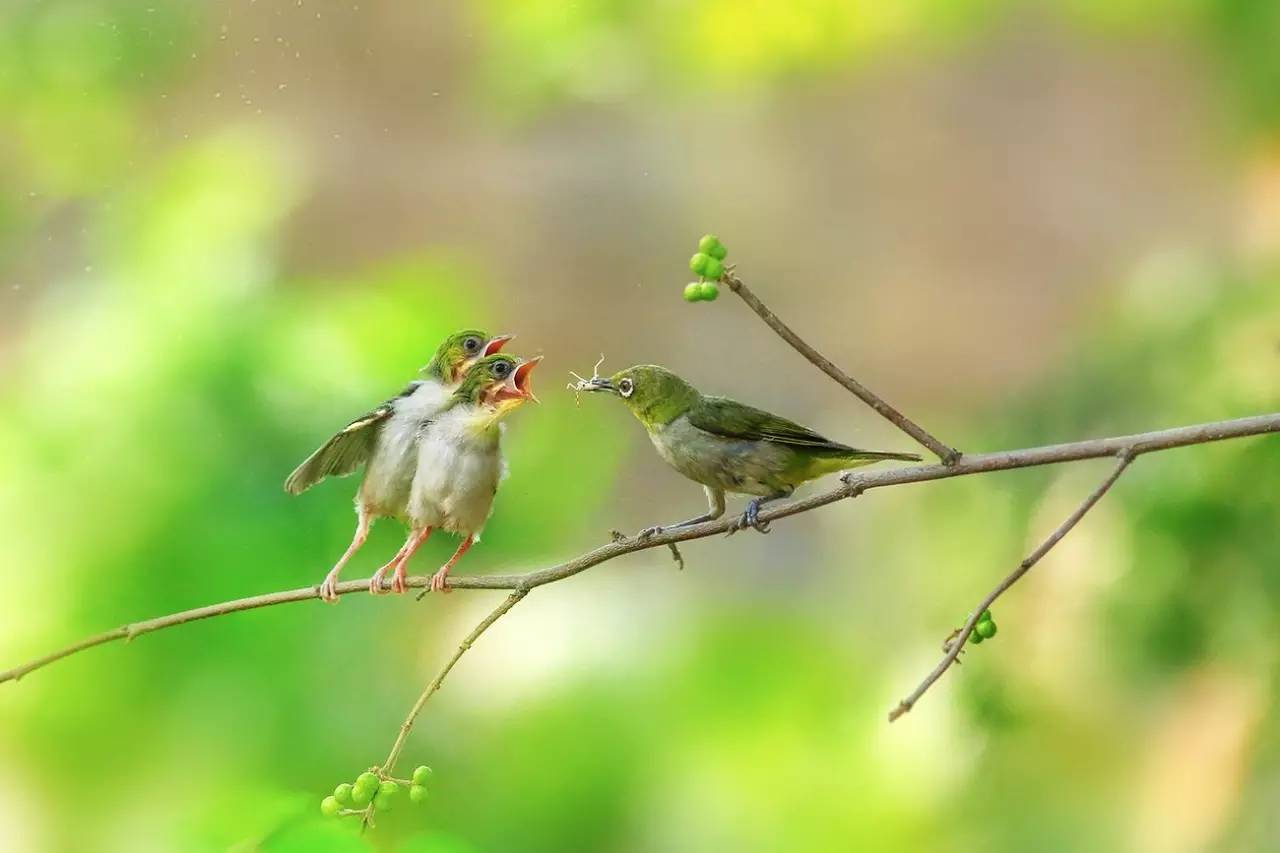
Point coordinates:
[(501, 369), (471, 344), (625, 387)]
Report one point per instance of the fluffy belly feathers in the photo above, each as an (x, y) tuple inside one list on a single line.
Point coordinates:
[(459, 468)]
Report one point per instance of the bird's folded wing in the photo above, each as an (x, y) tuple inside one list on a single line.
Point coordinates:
[(731, 419), (342, 454)]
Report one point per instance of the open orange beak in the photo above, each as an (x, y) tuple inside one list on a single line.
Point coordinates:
[(496, 343), (517, 386)]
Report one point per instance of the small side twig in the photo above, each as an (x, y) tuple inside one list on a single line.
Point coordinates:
[(389, 766), (948, 455), (676, 555), (956, 642)]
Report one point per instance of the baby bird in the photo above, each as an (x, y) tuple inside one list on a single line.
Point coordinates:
[(728, 446), (460, 462), (386, 439)]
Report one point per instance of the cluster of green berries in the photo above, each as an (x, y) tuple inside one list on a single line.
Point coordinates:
[(351, 798), (709, 265), (983, 629)]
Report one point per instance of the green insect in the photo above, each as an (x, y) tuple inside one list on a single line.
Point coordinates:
[(725, 445)]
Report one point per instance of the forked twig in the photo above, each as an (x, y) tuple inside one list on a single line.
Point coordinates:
[(955, 644)]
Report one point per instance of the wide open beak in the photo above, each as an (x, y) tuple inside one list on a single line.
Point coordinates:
[(496, 343), (518, 386)]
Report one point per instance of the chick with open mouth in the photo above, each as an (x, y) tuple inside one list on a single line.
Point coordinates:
[(460, 462)]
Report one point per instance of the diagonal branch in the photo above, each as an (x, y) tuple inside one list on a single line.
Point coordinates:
[(948, 455), (957, 643), (388, 767), (851, 486)]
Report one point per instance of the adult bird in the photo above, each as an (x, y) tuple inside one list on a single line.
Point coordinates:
[(727, 446), (386, 441), (460, 462)]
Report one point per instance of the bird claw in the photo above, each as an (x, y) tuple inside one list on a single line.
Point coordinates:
[(649, 532), (329, 591), (397, 584), (750, 518), (440, 582)]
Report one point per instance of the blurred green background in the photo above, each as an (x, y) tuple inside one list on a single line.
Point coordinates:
[(227, 228)]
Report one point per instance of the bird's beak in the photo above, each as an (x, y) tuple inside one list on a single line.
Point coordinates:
[(496, 343), (517, 386), (598, 383)]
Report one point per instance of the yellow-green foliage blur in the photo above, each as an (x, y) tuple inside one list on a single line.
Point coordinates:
[(228, 228)]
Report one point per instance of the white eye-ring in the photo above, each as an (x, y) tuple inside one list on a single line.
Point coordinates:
[(625, 387)]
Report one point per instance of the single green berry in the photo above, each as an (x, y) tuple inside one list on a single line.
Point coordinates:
[(975, 638), (985, 629), (719, 253), (711, 245), (362, 795), (388, 789), (699, 263), (693, 291), (708, 291), (418, 794), (421, 774), (985, 617), (342, 794), (384, 802), (367, 780), (329, 807), (713, 269)]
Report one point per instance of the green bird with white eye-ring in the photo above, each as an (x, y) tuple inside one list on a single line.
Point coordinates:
[(725, 445)]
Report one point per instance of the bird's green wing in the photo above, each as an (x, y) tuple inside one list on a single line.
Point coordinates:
[(731, 419), (342, 454), (347, 450)]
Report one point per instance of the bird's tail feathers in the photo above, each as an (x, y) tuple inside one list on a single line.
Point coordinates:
[(880, 455), (842, 460)]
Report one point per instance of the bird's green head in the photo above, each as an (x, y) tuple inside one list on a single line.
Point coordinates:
[(655, 395), (460, 351), (499, 381)]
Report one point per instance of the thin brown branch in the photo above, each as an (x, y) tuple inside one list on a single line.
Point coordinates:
[(947, 454), (388, 767), (957, 643), (852, 485)]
